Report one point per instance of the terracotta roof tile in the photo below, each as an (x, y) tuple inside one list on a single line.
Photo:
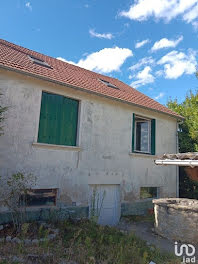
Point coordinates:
[(15, 57), (180, 156)]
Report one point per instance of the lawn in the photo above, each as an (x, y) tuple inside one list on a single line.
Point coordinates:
[(82, 241)]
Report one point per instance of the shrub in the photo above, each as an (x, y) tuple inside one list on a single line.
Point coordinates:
[(13, 190)]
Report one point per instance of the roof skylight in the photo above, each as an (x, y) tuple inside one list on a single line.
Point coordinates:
[(109, 84), (39, 61)]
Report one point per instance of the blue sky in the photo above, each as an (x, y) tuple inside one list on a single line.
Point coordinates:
[(149, 44)]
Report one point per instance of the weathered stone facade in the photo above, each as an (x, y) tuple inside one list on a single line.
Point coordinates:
[(103, 153), (177, 219)]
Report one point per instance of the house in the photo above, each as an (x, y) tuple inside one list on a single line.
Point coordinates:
[(83, 135)]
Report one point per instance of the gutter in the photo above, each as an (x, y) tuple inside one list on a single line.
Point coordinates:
[(189, 163), (84, 90)]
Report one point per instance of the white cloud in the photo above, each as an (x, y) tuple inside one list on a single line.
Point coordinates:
[(160, 9), (104, 61), (166, 43), (159, 96), (29, 6), (62, 59), (178, 63), (195, 25), (142, 62), (141, 43), (99, 35), (191, 15), (159, 73), (143, 77)]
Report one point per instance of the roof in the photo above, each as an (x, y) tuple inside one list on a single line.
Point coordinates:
[(17, 58), (181, 159), (181, 156)]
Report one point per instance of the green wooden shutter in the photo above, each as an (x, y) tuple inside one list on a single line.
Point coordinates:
[(56, 105), (49, 118), (42, 123), (43, 135), (153, 133), (69, 122), (133, 133), (53, 118), (58, 120)]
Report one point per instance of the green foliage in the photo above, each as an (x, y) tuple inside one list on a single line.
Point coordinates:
[(13, 190), (24, 229), (43, 232), (188, 139), (188, 130), (187, 187)]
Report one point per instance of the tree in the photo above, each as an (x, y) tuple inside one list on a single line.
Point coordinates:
[(188, 139), (188, 129)]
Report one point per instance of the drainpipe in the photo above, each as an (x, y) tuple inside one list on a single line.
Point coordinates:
[(177, 151), (177, 167)]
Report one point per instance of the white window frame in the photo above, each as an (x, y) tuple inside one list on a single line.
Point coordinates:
[(149, 134)]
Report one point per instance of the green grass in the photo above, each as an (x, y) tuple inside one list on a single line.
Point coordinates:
[(88, 243), (91, 243)]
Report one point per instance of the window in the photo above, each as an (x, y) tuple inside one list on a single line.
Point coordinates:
[(142, 134), (39, 61), (148, 192), (39, 197), (58, 120), (143, 137), (109, 84)]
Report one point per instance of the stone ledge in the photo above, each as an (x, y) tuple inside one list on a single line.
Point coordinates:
[(52, 146), (143, 155), (182, 204)]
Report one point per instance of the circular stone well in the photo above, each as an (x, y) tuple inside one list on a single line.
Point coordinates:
[(177, 219)]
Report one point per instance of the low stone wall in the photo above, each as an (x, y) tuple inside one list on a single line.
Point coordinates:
[(53, 213), (136, 208), (177, 219), (76, 212)]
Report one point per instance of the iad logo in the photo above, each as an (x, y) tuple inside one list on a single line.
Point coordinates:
[(187, 251)]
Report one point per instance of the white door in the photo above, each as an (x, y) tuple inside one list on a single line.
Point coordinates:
[(104, 203)]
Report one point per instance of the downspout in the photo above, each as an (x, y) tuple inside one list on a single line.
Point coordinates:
[(177, 167), (177, 151)]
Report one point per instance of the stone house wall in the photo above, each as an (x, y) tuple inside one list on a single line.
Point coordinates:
[(103, 155)]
